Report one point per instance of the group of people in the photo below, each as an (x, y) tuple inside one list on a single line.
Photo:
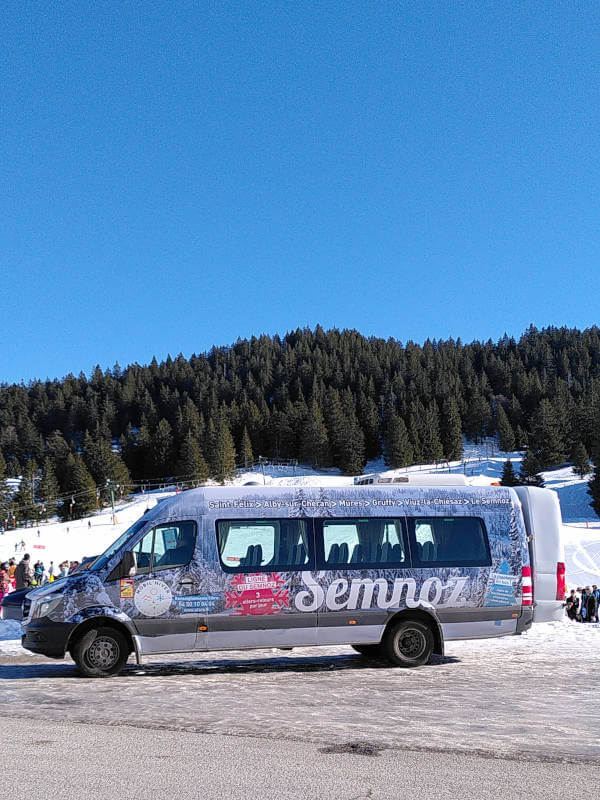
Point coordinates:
[(583, 603), (23, 575)]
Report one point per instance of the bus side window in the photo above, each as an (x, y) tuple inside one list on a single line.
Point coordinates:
[(174, 545), (450, 541), (260, 545), (360, 543)]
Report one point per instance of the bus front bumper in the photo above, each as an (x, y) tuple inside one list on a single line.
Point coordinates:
[(47, 638)]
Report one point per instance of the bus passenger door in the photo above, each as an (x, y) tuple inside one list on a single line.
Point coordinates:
[(163, 590)]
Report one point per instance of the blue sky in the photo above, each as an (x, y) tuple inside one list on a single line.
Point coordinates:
[(180, 174)]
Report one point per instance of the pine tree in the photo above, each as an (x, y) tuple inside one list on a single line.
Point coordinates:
[(209, 446), (509, 477), (118, 474), (451, 431), (246, 449), (369, 422), (59, 452), (415, 440), (25, 499), (530, 470), (48, 489), (97, 455), (144, 460), (396, 444), (521, 438), (478, 416), (83, 492), (352, 440), (192, 464), (431, 446), (506, 436), (581, 460), (162, 450), (546, 438), (314, 443), (5, 495), (334, 422), (223, 466)]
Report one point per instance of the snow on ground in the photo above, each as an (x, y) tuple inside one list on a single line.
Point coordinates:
[(482, 464), (9, 629)]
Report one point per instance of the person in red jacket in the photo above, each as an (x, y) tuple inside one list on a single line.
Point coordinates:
[(5, 585)]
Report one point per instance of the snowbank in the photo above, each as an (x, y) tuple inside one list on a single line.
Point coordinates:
[(10, 629)]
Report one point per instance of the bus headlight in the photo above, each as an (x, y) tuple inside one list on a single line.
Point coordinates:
[(46, 606)]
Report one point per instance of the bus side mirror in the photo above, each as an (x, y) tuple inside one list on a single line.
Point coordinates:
[(128, 565)]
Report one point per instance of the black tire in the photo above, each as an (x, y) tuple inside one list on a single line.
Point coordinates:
[(368, 650), (100, 652), (408, 643)]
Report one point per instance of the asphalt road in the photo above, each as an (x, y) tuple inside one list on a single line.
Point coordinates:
[(55, 760), (507, 716)]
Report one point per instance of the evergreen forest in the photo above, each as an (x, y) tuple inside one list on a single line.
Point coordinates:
[(325, 398)]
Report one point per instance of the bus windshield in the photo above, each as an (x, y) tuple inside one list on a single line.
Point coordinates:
[(103, 560)]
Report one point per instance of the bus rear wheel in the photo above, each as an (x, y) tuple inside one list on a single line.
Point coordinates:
[(100, 652), (408, 643)]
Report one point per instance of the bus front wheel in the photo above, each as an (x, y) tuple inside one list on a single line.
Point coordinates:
[(100, 652)]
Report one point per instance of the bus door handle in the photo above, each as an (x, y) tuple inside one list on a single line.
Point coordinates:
[(186, 582)]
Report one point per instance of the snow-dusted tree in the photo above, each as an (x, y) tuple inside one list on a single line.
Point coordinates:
[(530, 470), (431, 445), (25, 498), (192, 464), (247, 457), (509, 477), (396, 443), (162, 450), (581, 460), (451, 430), (547, 439), (83, 492), (314, 443), (224, 458), (48, 489), (5, 494), (506, 436)]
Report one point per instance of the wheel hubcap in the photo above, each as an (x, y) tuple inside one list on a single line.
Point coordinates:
[(103, 653), (411, 643)]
